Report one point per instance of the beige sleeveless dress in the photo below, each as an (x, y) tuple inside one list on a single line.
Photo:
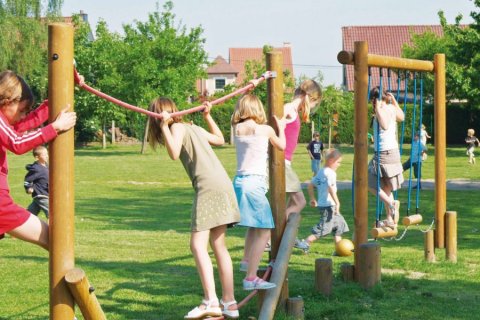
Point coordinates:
[(215, 203)]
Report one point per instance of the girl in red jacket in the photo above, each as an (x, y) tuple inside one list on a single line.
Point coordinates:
[(17, 135)]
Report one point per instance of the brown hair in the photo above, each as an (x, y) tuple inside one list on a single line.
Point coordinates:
[(332, 154), (311, 93), (249, 106), (155, 136), (13, 88)]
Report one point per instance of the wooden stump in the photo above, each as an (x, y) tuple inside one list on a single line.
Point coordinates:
[(323, 276)]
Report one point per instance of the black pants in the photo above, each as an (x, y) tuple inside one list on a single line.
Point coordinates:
[(416, 172)]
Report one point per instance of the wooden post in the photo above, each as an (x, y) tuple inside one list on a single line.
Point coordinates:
[(370, 270), (429, 246), (113, 132), (61, 232), (296, 308), (440, 150), (451, 235), (323, 275), (279, 272), (361, 149), (347, 271), (274, 61), (83, 293)]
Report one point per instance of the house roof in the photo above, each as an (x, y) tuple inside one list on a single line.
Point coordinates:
[(238, 57), (382, 40), (221, 66)]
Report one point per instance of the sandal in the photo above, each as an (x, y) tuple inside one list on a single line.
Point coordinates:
[(230, 314), (387, 224), (212, 311)]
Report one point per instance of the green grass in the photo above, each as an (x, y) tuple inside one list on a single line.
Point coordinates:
[(132, 231)]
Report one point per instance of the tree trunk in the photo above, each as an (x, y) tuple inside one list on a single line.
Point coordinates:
[(113, 132), (145, 137)]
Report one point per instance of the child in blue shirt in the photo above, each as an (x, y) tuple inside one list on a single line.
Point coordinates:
[(416, 158)]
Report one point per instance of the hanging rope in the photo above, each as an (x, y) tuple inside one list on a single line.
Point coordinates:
[(419, 155), (376, 129), (265, 76)]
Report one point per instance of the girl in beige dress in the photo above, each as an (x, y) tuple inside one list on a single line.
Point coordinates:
[(214, 206)]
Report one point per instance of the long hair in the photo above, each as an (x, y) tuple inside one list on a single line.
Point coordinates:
[(13, 88), (249, 106), (155, 135), (310, 93)]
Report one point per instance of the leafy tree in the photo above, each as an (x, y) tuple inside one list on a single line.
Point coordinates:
[(461, 45), (154, 58)]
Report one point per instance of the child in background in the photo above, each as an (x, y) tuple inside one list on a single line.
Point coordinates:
[(415, 160), (470, 140), (214, 205), (306, 97), (36, 181), (315, 151), (16, 100), (327, 202), (251, 136)]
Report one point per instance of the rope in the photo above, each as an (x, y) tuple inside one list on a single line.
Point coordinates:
[(265, 76)]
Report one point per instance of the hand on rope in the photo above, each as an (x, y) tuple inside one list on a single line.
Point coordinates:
[(79, 81)]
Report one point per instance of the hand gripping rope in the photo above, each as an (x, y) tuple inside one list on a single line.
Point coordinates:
[(265, 76)]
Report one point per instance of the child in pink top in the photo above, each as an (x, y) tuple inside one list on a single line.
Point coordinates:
[(307, 96), (16, 100)]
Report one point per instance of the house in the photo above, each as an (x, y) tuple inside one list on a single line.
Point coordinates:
[(238, 57), (222, 73), (219, 74), (69, 20), (382, 40)]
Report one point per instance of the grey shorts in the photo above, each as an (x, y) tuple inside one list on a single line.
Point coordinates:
[(391, 170), (329, 223), (292, 182)]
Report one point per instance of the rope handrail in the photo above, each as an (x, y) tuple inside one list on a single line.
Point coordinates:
[(265, 76)]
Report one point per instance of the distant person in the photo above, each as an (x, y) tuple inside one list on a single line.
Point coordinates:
[(415, 160), (36, 181), (214, 204), (424, 135), (252, 138), (327, 202), (387, 156), (18, 135), (315, 151), (470, 140)]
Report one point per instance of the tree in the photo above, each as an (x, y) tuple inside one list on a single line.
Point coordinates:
[(154, 58), (461, 45)]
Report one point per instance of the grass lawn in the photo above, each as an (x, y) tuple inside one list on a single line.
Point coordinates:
[(132, 218)]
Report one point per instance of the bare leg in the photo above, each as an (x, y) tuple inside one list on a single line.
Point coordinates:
[(224, 262), (386, 197), (296, 202), (261, 237), (249, 242), (33, 230), (199, 248)]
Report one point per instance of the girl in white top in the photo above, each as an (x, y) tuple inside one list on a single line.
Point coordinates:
[(251, 136), (386, 115)]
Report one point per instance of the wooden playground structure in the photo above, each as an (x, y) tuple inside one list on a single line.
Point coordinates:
[(69, 285), (367, 270)]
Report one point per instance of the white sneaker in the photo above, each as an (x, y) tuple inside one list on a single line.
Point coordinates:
[(257, 284)]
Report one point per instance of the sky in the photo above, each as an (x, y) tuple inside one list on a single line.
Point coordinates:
[(312, 27)]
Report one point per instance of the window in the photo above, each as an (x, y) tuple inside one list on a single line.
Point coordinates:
[(219, 83)]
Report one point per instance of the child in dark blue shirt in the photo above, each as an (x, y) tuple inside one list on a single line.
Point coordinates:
[(36, 181), (315, 150)]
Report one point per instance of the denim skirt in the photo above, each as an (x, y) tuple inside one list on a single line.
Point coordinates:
[(255, 211)]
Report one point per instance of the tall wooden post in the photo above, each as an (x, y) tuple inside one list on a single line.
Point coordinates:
[(277, 161), (440, 150), (361, 149), (60, 94)]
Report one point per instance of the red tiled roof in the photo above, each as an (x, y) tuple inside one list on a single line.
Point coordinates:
[(221, 66), (382, 40), (238, 56)]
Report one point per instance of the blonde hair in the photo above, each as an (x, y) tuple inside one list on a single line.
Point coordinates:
[(155, 136), (311, 93), (470, 132), (249, 106), (37, 150), (13, 88), (332, 154)]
